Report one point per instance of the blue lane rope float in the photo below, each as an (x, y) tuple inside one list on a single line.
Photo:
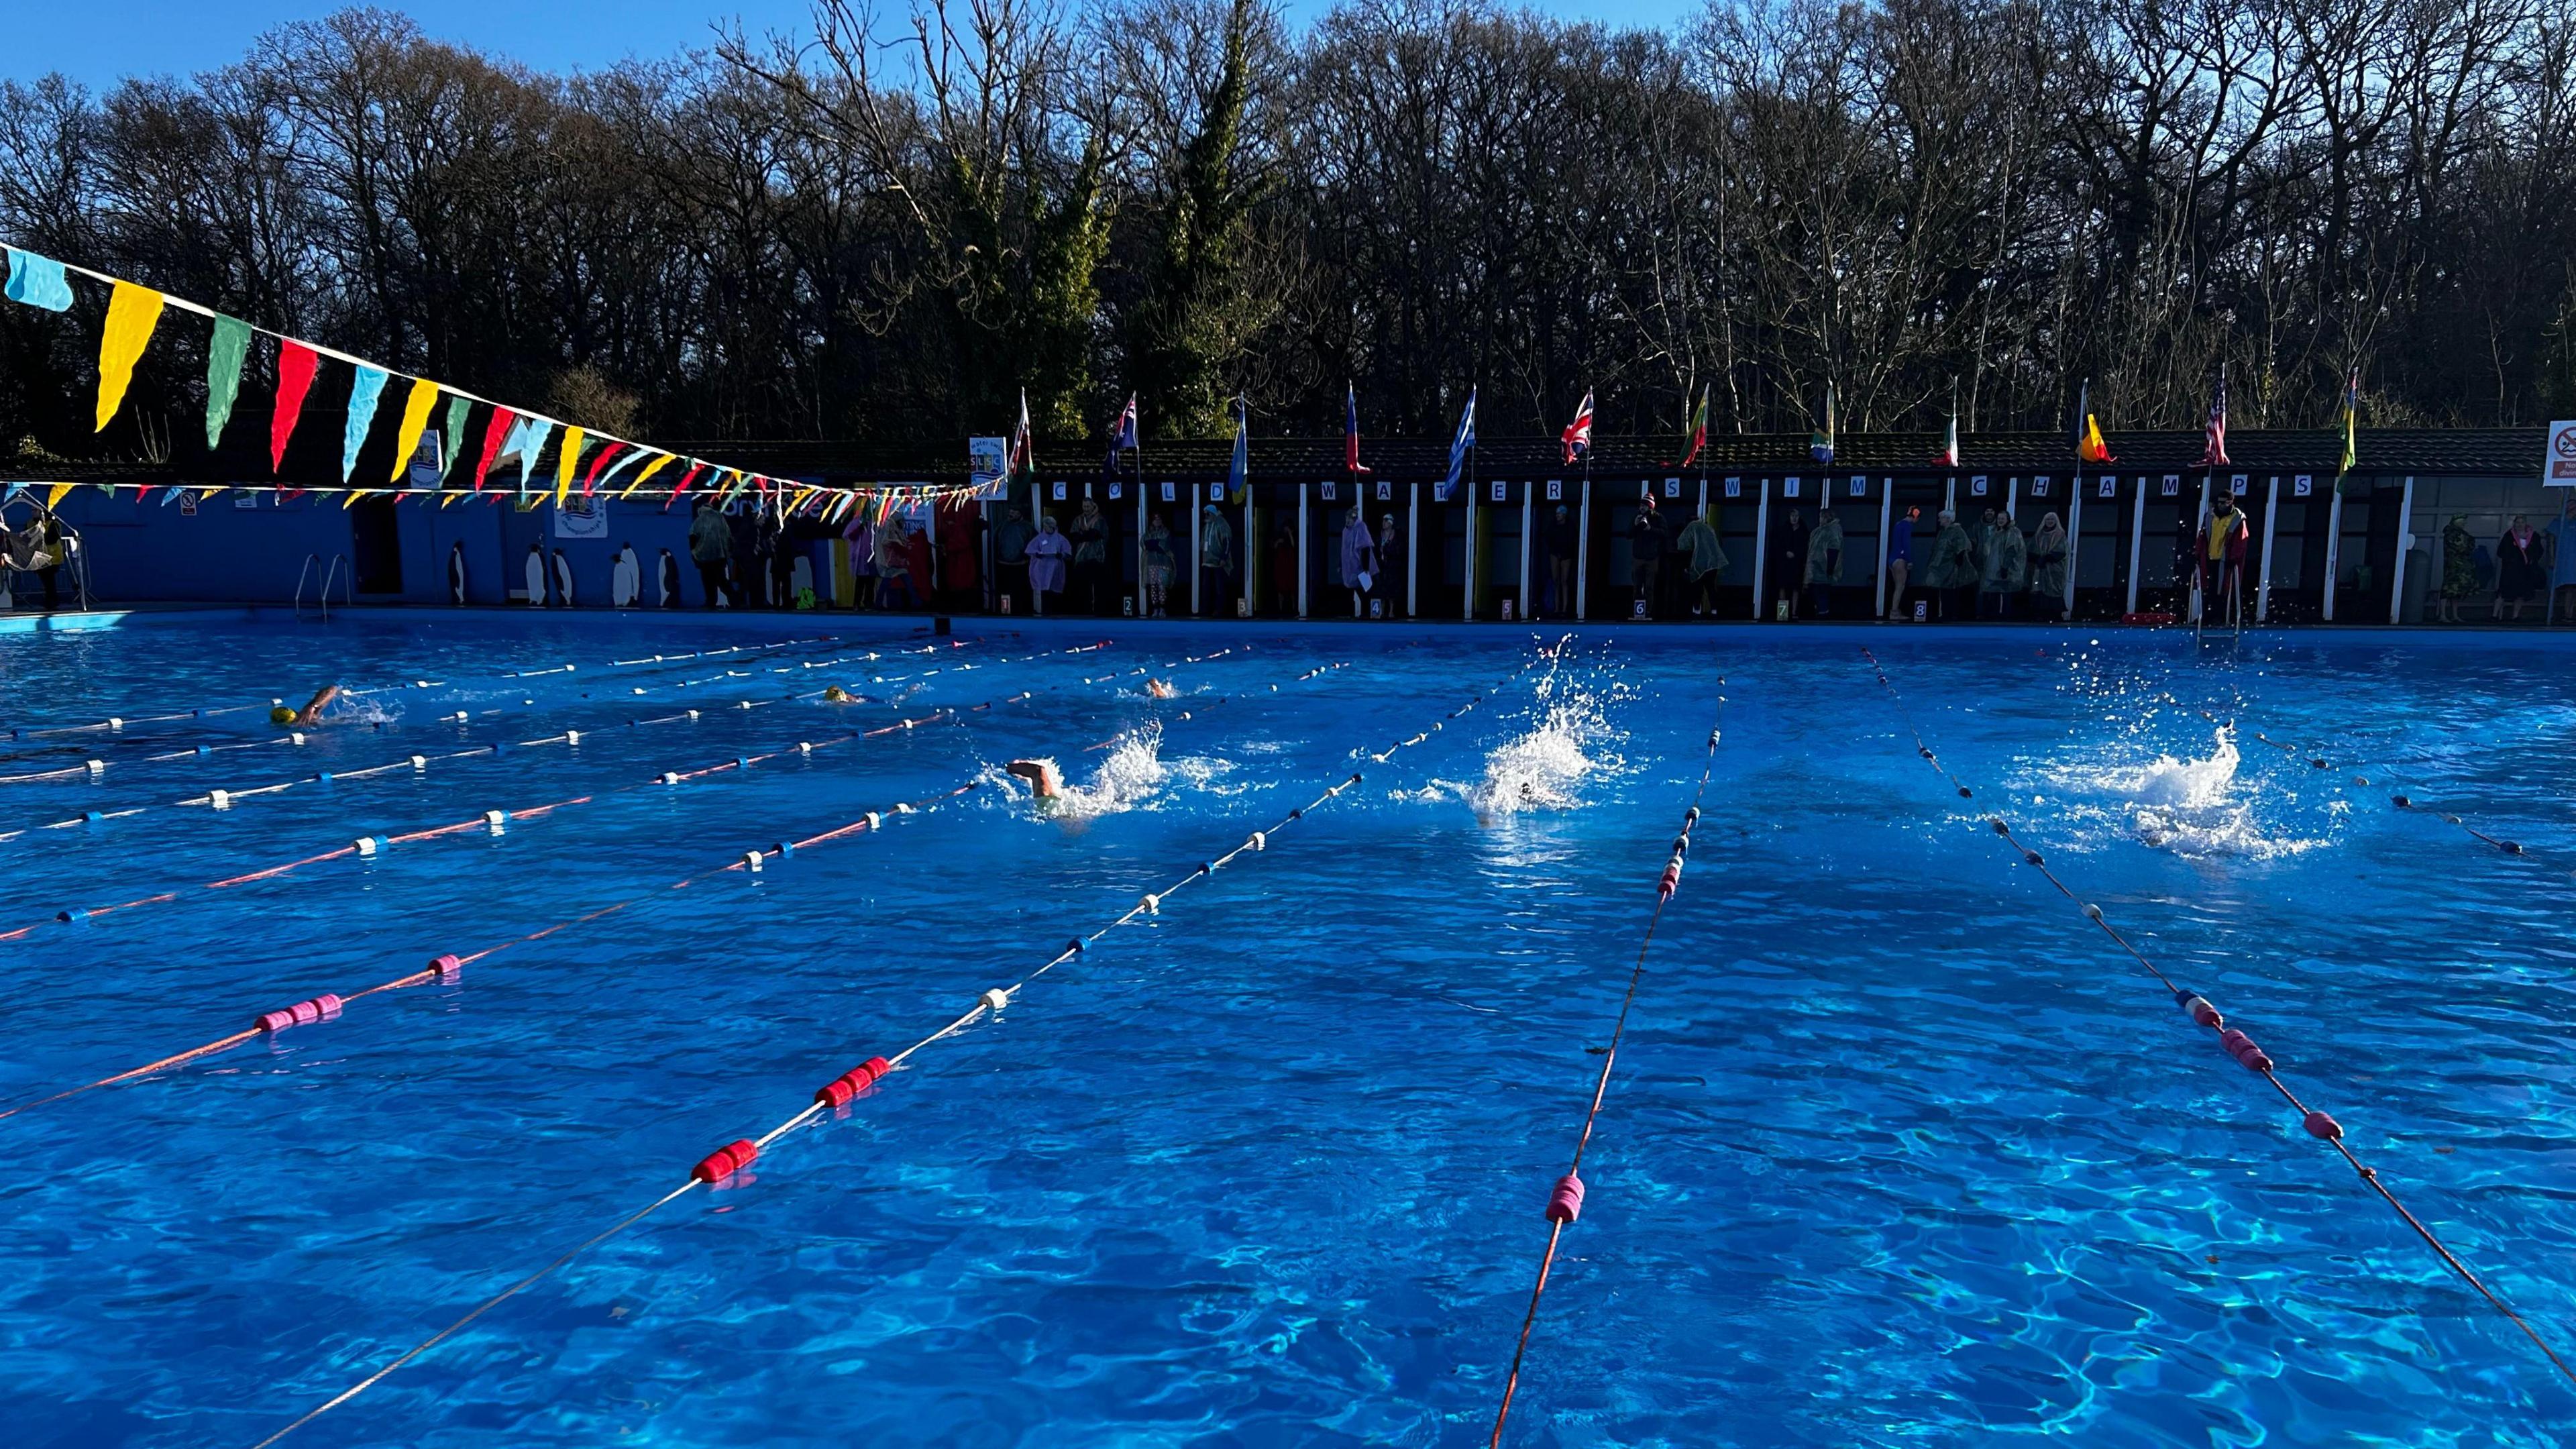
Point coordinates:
[(726, 1161), (2232, 1040), (495, 821), (1565, 1199)]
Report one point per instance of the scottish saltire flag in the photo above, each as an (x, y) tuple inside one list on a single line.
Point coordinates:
[(1821, 442), (1459, 445), (1577, 436), (1351, 429), (2213, 451)]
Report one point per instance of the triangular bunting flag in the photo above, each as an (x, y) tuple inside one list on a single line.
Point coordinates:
[(132, 313), (295, 367), (223, 374), (364, 390), (415, 419)]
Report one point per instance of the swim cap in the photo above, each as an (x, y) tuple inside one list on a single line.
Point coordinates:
[(281, 716)]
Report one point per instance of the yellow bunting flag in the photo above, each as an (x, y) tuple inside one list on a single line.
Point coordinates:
[(656, 466), (54, 498), (205, 493), (132, 313), (424, 396), (450, 498), (801, 495), (565, 460), (350, 499)]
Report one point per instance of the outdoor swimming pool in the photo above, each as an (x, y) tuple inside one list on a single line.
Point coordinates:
[(1900, 1150)]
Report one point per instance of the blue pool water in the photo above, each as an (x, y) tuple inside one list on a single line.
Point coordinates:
[(1901, 1150)]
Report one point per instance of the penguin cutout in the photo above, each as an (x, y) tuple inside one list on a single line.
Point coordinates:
[(626, 580), (563, 578), (456, 573), (536, 577), (669, 578)]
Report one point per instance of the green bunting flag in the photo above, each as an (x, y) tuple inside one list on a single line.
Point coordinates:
[(457, 408), (223, 374)]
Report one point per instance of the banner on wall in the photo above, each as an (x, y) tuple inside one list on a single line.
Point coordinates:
[(581, 518), (986, 460)]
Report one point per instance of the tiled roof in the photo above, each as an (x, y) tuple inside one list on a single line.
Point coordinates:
[(2466, 452)]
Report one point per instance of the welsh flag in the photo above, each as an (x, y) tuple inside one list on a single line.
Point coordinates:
[(1698, 429)]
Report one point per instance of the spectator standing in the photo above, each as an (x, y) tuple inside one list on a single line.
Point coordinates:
[(1900, 560), (1824, 562), (961, 561), (860, 533), (1951, 572), (1787, 576), (1216, 560), (710, 548), (1390, 564), (2007, 566), (1703, 560), (1047, 554), (1647, 535), (1358, 560), (894, 564), (2048, 565), (2459, 568), (2562, 554), (2520, 574), (1157, 564), (1011, 555)]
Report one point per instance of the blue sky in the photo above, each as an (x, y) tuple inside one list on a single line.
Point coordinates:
[(99, 41)]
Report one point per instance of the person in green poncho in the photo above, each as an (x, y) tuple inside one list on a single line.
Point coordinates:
[(1702, 561), (2048, 565), (2459, 568), (1824, 562), (1951, 571), (2007, 566)]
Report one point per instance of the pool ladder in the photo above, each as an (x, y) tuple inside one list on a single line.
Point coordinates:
[(336, 569)]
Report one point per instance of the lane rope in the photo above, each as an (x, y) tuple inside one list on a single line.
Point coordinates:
[(449, 967), (1565, 1200), (2232, 1040), (841, 1090)]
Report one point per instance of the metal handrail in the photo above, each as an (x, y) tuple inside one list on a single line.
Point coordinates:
[(305, 571), (340, 570)]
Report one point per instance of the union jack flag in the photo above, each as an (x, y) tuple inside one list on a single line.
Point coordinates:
[(1577, 436)]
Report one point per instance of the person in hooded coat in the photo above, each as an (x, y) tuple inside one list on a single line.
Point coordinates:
[(1216, 561), (2520, 575), (860, 533), (1048, 552), (2048, 560), (710, 548), (1158, 565), (893, 564), (1786, 578), (1390, 565), (1951, 572), (1358, 560), (961, 549), (1824, 562), (2007, 566), (1703, 559), (1090, 536), (1011, 554)]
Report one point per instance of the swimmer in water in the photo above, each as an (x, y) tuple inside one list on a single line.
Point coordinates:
[(835, 694), (1160, 689), (1046, 782), (312, 711)]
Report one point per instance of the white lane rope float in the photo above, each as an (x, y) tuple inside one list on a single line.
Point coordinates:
[(732, 1158)]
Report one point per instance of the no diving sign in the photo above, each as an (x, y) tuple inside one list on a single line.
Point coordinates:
[(2558, 467)]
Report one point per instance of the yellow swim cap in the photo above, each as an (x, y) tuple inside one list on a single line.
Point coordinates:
[(281, 716)]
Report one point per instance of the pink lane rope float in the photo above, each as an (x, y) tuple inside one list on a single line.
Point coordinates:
[(726, 1162), (1565, 1199), (448, 967), (2232, 1040)]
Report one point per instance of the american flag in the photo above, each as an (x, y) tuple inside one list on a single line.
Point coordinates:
[(2213, 452), (1578, 434)]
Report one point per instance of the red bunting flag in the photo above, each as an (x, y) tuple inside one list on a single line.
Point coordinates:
[(493, 433), (295, 366), (590, 479)]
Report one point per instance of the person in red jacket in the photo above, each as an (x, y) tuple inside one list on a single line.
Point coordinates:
[(2219, 558), (916, 557), (960, 569)]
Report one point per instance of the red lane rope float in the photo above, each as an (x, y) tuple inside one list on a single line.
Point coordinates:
[(496, 819), (724, 1162), (1565, 1199), (447, 967), (2231, 1040)]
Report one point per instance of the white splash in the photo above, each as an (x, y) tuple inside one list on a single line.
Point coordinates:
[(1545, 767), (2199, 807), (1131, 773)]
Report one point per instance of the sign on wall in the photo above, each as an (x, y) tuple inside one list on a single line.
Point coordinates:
[(985, 461), (2558, 463)]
